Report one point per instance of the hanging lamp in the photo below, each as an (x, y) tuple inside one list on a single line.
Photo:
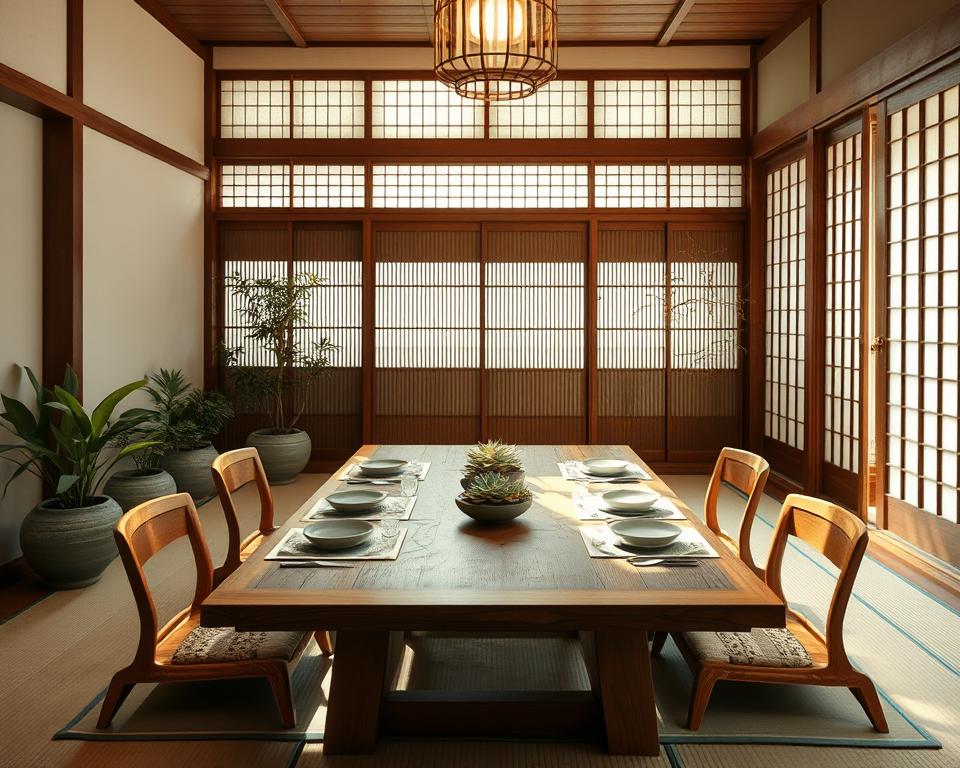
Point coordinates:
[(495, 49)]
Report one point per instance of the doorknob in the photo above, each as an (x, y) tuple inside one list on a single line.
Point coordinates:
[(878, 343)]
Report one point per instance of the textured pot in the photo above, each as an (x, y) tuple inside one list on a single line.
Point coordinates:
[(131, 487), (70, 548), (516, 476), (283, 455), (493, 513), (191, 470)]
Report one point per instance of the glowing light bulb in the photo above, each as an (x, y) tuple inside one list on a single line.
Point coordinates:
[(497, 25)]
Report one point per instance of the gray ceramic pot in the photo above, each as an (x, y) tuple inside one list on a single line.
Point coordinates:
[(493, 513), (135, 486), (191, 470), (283, 455), (70, 548), (466, 480)]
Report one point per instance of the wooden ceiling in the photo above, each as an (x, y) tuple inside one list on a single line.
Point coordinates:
[(409, 21)]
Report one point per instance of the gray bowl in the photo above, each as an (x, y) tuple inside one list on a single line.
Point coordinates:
[(382, 467), (493, 513)]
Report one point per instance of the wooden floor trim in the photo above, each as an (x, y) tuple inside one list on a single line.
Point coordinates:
[(928, 573)]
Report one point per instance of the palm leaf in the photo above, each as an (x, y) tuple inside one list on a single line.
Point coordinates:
[(102, 413)]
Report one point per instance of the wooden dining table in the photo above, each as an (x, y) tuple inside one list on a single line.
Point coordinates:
[(533, 575)]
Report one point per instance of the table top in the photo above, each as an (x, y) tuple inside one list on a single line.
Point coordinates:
[(452, 573)]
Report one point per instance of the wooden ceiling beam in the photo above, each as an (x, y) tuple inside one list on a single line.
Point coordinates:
[(162, 15), (289, 24), (673, 23)]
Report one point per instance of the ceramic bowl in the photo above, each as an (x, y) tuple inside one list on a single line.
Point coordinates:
[(382, 467), (645, 534), (338, 534), (604, 467), (493, 513), (355, 501), (627, 500)]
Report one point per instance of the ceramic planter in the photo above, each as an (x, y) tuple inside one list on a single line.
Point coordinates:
[(191, 470), (516, 476), (135, 486), (283, 455), (70, 548), (493, 513)]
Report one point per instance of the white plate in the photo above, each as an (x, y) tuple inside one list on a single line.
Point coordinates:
[(637, 500), (338, 534), (355, 501), (604, 467), (645, 534), (382, 467)]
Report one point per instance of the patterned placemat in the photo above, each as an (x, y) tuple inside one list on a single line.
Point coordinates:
[(294, 546), (352, 472), (589, 506), (573, 470), (391, 508), (600, 541)]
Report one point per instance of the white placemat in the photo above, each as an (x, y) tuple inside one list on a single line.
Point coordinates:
[(392, 507), (352, 472), (572, 470), (600, 541), (589, 506), (294, 546)]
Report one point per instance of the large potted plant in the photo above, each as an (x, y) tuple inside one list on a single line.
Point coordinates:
[(67, 539), (185, 419), (270, 308), (147, 480)]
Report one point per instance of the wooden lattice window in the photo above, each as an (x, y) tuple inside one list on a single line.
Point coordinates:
[(423, 109), (328, 109), (705, 108), (556, 111), (785, 219), (328, 186), (630, 109), (630, 186), (706, 186), (254, 109), (254, 186), (844, 190), (922, 300)]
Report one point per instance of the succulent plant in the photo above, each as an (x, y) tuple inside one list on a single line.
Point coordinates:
[(492, 456), (494, 488)]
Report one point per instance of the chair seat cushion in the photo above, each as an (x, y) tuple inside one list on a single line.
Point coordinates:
[(206, 645), (760, 647)]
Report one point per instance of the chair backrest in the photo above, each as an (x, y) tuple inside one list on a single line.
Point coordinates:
[(231, 471), (141, 533), (747, 473), (835, 533)]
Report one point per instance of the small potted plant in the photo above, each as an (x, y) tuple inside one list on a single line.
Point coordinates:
[(495, 498), (492, 456), (270, 308), (185, 420), (147, 480), (67, 539)]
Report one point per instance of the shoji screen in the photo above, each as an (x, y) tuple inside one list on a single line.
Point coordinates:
[(704, 316), (534, 339), (427, 376), (631, 337), (922, 319), (843, 225), (785, 240)]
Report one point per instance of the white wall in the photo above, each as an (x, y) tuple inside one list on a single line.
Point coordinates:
[(136, 71), (142, 267), (21, 258), (783, 77), (33, 39)]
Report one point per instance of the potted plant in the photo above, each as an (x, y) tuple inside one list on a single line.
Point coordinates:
[(494, 498), (67, 539), (492, 456), (270, 308), (185, 419), (147, 480)]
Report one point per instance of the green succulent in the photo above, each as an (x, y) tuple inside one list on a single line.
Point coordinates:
[(494, 488), (492, 456)]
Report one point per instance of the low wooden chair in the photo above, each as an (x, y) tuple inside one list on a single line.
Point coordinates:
[(800, 653), (231, 471), (182, 650)]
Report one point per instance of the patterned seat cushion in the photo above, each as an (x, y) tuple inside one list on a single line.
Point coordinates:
[(206, 645), (760, 647)]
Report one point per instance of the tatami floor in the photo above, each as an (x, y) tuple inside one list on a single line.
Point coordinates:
[(57, 655)]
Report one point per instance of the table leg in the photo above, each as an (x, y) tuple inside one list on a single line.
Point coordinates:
[(626, 691), (356, 690)]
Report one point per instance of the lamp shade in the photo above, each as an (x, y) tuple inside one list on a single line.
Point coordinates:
[(495, 49)]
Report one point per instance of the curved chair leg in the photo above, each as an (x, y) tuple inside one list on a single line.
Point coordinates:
[(866, 694), (702, 688), (324, 641), (118, 691), (659, 639), (279, 680)]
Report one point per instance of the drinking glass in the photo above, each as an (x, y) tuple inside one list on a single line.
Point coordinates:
[(409, 481), (389, 528)]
